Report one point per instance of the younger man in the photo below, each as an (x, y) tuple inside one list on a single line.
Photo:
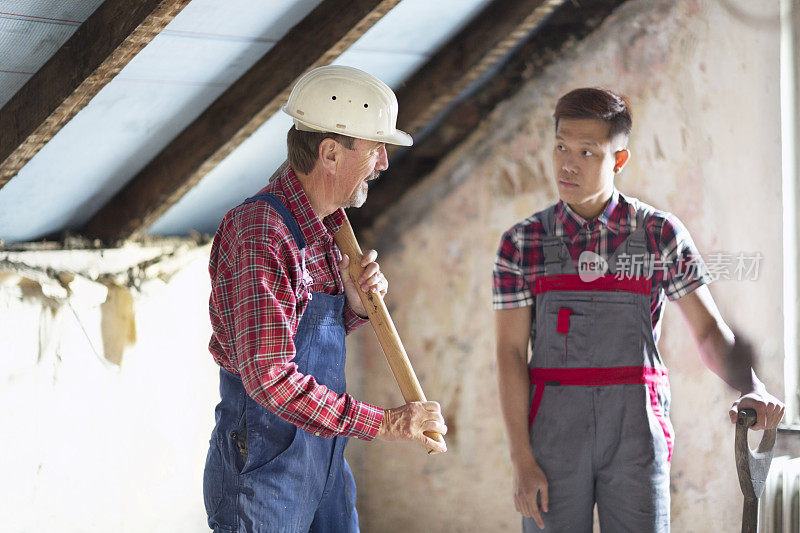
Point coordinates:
[(588, 422)]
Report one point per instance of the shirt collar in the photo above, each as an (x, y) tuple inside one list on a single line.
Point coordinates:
[(614, 215), (298, 204)]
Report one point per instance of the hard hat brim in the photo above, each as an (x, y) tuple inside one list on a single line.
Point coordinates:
[(400, 138), (397, 137)]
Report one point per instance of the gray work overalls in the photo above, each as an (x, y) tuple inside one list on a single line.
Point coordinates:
[(600, 429)]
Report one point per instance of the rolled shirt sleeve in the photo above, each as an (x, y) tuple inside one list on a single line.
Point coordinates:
[(351, 320), (510, 290), (683, 267)]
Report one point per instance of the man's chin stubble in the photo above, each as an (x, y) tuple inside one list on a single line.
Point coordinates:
[(359, 197)]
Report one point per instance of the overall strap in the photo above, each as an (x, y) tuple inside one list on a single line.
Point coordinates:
[(556, 255), (287, 217), (294, 228), (634, 246)]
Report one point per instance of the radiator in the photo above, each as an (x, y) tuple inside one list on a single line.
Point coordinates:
[(779, 505)]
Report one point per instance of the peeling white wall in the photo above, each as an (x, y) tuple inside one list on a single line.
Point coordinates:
[(89, 446)]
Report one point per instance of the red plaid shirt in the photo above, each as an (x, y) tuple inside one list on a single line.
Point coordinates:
[(678, 267), (257, 301)]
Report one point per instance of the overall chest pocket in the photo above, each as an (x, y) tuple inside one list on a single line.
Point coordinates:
[(593, 331)]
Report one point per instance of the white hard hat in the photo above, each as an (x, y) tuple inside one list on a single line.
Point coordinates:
[(347, 101)]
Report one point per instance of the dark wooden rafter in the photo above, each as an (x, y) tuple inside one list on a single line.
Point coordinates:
[(326, 32), (92, 57), (568, 24), (500, 26)]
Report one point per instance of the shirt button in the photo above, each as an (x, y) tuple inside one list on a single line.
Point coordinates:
[(234, 435)]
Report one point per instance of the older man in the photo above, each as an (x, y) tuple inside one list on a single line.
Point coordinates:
[(280, 309), (584, 283)]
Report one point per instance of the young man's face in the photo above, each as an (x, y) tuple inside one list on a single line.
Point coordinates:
[(584, 164), (358, 166)]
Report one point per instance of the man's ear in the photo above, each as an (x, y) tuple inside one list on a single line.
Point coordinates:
[(621, 157), (328, 154)]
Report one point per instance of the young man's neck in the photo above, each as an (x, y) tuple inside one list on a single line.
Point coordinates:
[(594, 207)]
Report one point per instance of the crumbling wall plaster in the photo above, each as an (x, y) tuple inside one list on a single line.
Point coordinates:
[(99, 443), (703, 78)]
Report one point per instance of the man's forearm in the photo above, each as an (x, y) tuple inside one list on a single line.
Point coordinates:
[(514, 387), (731, 357), (727, 355)]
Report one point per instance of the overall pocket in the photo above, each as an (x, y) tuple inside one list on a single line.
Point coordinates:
[(568, 332), (617, 333), (268, 436), (213, 477), (593, 330)]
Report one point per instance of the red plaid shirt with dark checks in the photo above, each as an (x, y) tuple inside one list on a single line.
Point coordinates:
[(678, 267), (257, 300)]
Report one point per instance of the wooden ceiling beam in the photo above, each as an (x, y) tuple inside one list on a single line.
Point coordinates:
[(92, 57), (483, 42), (326, 32), (569, 23)]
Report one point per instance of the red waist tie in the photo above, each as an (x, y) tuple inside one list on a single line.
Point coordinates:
[(600, 376)]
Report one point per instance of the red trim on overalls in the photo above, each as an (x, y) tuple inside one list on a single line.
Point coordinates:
[(652, 377), (571, 282)]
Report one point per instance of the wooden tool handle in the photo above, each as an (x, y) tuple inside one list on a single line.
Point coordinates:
[(382, 324), (752, 466)]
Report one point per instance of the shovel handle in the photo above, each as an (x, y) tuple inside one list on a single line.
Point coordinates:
[(383, 325), (746, 419), (752, 466)]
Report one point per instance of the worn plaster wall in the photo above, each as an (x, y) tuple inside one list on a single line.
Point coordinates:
[(108, 403), (703, 78)]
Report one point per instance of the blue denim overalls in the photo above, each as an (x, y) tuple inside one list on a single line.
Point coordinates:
[(600, 429), (264, 474)]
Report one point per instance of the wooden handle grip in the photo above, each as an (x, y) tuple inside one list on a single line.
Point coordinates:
[(383, 325)]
